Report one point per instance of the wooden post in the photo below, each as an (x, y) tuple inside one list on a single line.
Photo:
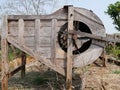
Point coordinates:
[(23, 64), (4, 48), (53, 39), (104, 58), (69, 49)]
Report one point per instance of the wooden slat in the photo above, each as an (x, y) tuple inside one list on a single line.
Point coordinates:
[(30, 31), (31, 23), (69, 49), (4, 52), (53, 40), (21, 32), (45, 52), (37, 34), (89, 18)]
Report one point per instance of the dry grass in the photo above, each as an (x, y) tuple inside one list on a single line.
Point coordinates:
[(40, 77)]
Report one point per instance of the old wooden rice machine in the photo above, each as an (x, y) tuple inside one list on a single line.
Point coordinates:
[(70, 37)]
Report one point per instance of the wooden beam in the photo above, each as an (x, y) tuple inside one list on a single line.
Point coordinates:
[(23, 48), (33, 17), (23, 59), (21, 32), (4, 52), (92, 36), (53, 40), (15, 71), (69, 49)]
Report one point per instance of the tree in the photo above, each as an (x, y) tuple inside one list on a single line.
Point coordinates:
[(114, 12), (25, 7)]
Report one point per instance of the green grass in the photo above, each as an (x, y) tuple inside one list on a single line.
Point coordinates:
[(115, 51), (12, 54), (116, 72), (38, 80)]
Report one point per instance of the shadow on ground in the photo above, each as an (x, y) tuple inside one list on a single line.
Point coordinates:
[(48, 80)]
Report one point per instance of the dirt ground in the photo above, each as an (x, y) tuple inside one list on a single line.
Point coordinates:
[(91, 77)]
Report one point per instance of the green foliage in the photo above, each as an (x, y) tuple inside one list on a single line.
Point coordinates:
[(13, 53), (114, 12), (116, 72), (115, 51)]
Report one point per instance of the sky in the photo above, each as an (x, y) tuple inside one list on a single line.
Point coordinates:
[(98, 7)]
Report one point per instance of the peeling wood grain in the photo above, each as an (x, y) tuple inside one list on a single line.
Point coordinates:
[(21, 32)]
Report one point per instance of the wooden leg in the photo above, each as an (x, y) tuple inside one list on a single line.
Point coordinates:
[(104, 58), (69, 84), (4, 54), (5, 64), (23, 65), (5, 83), (104, 61)]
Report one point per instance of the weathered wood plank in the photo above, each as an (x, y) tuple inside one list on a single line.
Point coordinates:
[(30, 41), (45, 31), (13, 23), (69, 49), (37, 34), (43, 41), (32, 17), (59, 52), (4, 52), (87, 15), (30, 31), (21, 32), (53, 40), (48, 63), (45, 52), (31, 23)]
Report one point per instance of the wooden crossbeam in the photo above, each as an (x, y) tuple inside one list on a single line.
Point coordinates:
[(33, 17), (15, 71), (92, 36)]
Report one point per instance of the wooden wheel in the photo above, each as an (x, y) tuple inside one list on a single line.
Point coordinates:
[(80, 44)]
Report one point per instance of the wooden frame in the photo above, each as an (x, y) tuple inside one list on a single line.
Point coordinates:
[(36, 35)]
